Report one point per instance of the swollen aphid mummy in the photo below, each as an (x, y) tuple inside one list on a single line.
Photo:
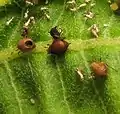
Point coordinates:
[(9, 21)]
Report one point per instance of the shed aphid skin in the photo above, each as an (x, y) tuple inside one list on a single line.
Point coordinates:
[(87, 1), (89, 15), (81, 6), (94, 30), (45, 12), (79, 72), (28, 2), (26, 45), (9, 21), (92, 4), (59, 46), (26, 14), (32, 101), (31, 19), (72, 6), (99, 69)]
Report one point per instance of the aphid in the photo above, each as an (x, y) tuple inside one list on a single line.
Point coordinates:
[(58, 46), (79, 72), (26, 45), (99, 69), (55, 33), (8, 22), (94, 30)]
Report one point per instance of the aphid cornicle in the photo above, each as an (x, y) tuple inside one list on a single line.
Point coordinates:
[(26, 45), (58, 46), (99, 69)]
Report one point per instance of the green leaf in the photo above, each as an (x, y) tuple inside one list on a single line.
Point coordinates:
[(39, 83)]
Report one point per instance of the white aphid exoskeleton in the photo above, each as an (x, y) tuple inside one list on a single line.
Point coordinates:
[(94, 30), (72, 6), (26, 14), (29, 3), (105, 25), (81, 6), (45, 12), (47, 1), (32, 101), (79, 72), (92, 4), (87, 1), (27, 23), (9, 21), (89, 15), (31, 19)]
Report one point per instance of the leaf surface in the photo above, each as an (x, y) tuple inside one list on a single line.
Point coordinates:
[(38, 83)]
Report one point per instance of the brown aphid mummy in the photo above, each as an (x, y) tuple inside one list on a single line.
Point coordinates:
[(26, 45), (58, 46), (99, 69)]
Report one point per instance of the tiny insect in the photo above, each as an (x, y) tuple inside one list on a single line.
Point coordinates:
[(99, 69), (55, 33), (26, 45)]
